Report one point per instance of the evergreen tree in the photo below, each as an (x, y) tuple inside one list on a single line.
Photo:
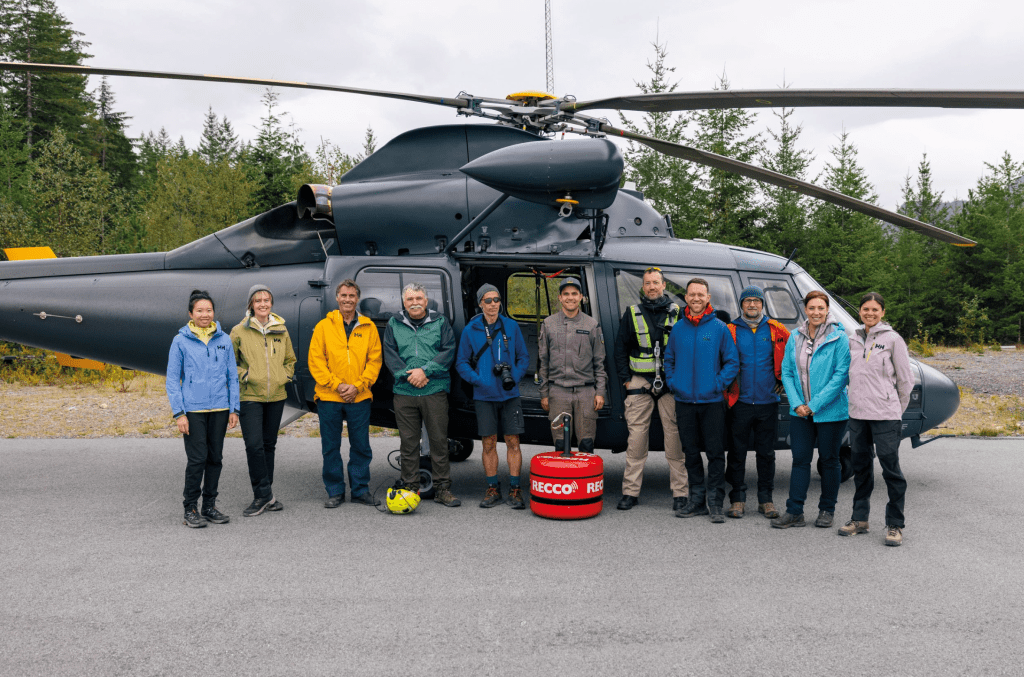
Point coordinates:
[(369, 145), (114, 151), (919, 290), (190, 199), (786, 212), (845, 248), (14, 158), (666, 182), (74, 207), (36, 31), (728, 202), (277, 160), (993, 271), (219, 142)]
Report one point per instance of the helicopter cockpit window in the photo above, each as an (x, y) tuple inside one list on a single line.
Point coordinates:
[(780, 303), (723, 293), (380, 295), (805, 283)]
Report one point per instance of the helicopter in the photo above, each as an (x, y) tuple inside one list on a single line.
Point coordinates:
[(452, 207)]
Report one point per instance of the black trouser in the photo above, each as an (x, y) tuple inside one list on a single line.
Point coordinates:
[(761, 419), (260, 422), (707, 422), (204, 448), (884, 436)]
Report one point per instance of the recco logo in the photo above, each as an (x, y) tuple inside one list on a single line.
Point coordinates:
[(554, 488), (595, 487)]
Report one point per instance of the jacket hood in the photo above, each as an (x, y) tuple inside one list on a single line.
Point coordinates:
[(880, 328), (404, 317), (336, 317), (831, 324), (187, 333), (275, 321)]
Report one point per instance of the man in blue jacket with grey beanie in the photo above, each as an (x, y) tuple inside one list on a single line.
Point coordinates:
[(493, 357)]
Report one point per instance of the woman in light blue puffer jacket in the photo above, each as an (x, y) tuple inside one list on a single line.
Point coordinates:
[(815, 372)]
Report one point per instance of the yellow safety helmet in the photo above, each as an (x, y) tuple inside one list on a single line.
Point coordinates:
[(402, 501)]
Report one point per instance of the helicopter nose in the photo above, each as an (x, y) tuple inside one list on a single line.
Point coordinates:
[(941, 396)]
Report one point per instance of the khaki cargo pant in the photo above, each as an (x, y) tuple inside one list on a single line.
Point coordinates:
[(579, 402), (639, 411)]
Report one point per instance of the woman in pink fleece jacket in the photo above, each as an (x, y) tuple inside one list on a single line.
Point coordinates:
[(880, 385)]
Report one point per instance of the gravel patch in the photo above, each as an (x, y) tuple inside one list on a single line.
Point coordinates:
[(992, 373)]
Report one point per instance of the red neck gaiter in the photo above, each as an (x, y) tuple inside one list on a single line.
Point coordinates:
[(696, 320)]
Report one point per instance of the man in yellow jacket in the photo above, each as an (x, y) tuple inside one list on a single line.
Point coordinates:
[(345, 359)]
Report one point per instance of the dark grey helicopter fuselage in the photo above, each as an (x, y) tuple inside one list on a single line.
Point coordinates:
[(395, 218)]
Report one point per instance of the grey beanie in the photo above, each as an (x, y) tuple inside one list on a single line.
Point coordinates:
[(483, 290), (255, 289)]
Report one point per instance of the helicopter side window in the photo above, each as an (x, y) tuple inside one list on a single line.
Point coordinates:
[(779, 301), (381, 291), (723, 294)]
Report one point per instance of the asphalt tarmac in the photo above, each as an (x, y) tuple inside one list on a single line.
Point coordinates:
[(100, 577)]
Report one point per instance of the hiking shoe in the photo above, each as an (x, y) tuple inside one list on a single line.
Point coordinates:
[(735, 510), (678, 502), (274, 505), (192, 518), (257, 507), (492, 496), (515, 498), (446, 498), (768, 510), (211, 514), (692, 509), (334, 501), (788, 520), (893, 535), (627, 502), (853, 527), (716, 514), (824, 520), (366, 499)]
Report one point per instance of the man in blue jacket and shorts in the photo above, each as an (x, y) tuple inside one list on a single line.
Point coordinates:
[(493, 357)]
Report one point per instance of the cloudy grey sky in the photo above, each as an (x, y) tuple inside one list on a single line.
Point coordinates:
[(600, 49)]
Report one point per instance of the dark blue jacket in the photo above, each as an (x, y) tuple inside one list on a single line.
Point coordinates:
[(202, 376), (487, 386), (757, 362), (701, 361)]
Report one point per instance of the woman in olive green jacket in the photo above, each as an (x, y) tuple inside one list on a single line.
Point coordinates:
[(266, 362)]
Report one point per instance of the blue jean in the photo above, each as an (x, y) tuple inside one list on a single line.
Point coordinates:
[(802, 435), (332, 414)]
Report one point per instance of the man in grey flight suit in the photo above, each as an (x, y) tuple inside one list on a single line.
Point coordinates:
[(572, 373)]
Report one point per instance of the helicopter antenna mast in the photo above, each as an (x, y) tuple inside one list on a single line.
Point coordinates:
[(547, 39)]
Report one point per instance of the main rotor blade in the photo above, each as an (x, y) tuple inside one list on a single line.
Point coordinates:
[(452, 102), (790, 183), (802, 98)]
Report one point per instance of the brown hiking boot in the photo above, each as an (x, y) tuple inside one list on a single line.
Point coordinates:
[(515, 498), (853, 527), (492, 497), (735, 510), (768, 510), (446, 498), (788, 520), (893, 535)]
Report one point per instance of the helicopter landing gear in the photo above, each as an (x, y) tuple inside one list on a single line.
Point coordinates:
[(459, 449), (845, 464), (426, 480)]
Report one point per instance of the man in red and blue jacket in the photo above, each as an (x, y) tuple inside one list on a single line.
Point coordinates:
[(754, 399), (700, 363)]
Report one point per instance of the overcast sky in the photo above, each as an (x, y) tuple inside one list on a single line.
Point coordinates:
[(600, 49)]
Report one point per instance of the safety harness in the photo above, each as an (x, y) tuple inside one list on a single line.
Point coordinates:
[(648, 359)]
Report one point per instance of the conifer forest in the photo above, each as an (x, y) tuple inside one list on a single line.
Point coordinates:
[(72, 178)]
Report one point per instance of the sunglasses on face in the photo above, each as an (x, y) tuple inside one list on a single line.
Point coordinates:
[(489, 301)]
